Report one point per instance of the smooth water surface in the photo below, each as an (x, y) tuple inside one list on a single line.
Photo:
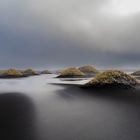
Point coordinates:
[(33, 109)]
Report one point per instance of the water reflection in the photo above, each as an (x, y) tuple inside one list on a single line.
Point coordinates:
[(17, 117), (91, 114)]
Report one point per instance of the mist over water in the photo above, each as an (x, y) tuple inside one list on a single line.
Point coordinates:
[(32, 108)]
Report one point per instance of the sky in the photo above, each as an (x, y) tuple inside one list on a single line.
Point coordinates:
[(62, 33)]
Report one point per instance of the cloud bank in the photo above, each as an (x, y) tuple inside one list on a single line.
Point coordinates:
[(52, 33)]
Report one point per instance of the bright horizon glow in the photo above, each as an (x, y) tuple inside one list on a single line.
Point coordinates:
[(122, 7)]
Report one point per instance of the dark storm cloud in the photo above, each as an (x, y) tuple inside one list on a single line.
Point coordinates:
[(52, 33)]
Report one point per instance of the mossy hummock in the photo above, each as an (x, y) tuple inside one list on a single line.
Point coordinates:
[(111, 79), (88, 70), (29, 72), (71, 73), (11, 73), (136, 73), (46, 72)]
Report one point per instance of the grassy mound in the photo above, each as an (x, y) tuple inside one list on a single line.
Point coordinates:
[(136, 73), (113, 79), (11, 73), (29, 72), (46, 72), (88, 70), (71, 73)]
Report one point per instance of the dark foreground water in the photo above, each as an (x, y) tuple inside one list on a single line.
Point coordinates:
[(33, 109)]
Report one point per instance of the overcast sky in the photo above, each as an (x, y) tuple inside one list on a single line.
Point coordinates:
[(60, 33)]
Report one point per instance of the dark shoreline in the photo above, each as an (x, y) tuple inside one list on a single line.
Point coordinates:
[(12, 77), (18, 77)]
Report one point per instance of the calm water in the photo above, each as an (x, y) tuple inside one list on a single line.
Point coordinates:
[(33, 109)]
